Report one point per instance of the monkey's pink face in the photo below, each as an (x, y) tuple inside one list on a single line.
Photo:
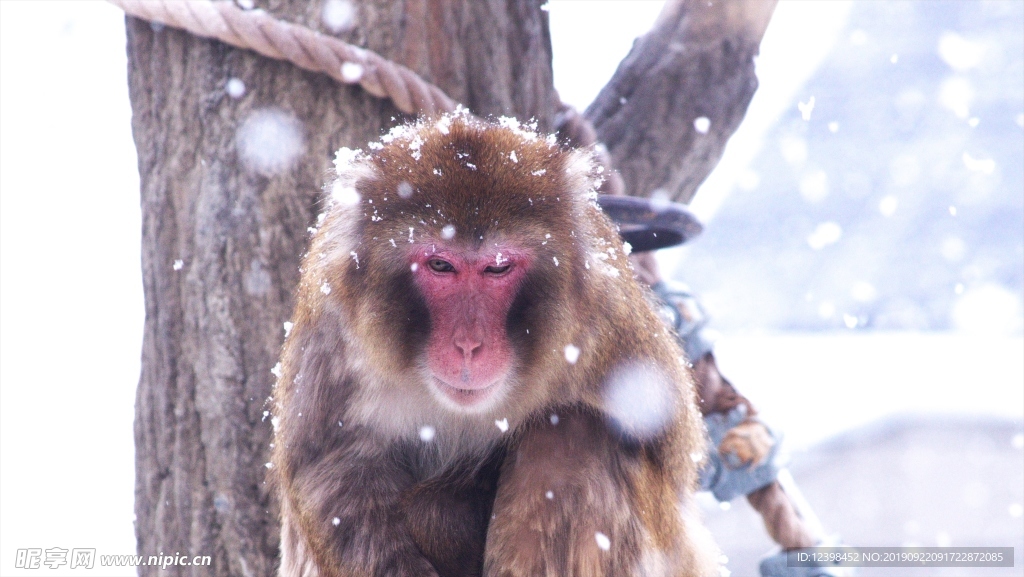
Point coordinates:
[(469, 294)]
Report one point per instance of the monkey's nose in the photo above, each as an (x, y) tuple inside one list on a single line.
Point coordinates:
[(468, 346)]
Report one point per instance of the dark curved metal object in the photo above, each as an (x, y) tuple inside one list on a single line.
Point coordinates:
[(650, 225)]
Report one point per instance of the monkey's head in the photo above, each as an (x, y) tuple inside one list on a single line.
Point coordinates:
[(465, 258)]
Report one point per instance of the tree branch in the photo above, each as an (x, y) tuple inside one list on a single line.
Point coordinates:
[(697, 62)]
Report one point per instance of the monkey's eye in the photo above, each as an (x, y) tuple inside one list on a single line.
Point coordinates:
[(498, 269), (439, 265)]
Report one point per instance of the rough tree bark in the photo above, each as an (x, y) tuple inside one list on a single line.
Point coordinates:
[(222, 238), (214, 320), (697, 61)]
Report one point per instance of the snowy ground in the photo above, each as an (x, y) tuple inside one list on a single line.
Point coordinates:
[(818, 385), (72, 316)]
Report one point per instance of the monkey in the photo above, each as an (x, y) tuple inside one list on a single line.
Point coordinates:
[(473, 382)]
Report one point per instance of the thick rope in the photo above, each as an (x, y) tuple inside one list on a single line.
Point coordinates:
[(308, 49)]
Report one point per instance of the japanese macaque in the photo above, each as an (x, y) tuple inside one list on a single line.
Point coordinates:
[(474, 383)]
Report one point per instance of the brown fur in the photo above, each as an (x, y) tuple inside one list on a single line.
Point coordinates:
[(472, 500)]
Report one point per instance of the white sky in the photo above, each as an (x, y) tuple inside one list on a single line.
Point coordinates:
[(70, 284), (589, 39)]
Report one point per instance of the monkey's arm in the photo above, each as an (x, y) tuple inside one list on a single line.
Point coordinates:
[(781, 519), (572, 501), (348, 507)]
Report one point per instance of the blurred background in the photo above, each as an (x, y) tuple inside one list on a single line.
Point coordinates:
[(862, 260)]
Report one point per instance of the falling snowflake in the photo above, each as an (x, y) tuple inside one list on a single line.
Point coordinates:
[(640, 397), (981, 165), (888, 205), (270, 140), (806, 108), (427, 433), (351, 72), (825, 234), (404, 189), (235, 88), (338, 15)]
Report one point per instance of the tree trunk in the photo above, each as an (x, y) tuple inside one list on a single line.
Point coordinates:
[(230, 183)]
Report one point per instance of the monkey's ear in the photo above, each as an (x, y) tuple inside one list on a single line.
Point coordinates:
[(351, 166), (650, 224)]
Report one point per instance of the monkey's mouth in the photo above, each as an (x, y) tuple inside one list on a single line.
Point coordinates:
[(466, 397)]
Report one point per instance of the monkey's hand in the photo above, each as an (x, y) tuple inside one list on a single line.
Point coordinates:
[(743, 455), (747, 444), (570, 502)]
